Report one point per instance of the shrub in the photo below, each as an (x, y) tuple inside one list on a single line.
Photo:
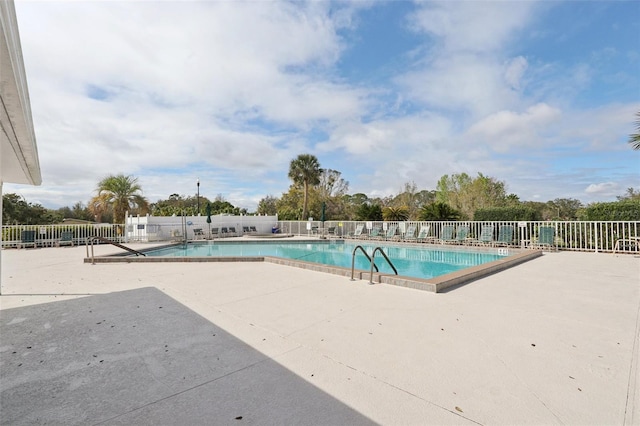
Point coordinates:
[(507, 214), (617, 210)]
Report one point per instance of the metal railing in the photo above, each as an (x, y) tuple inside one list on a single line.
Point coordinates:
[(51, 235), (583, 236), (586, 236), (92, 240), (353, 260), (372, 260)]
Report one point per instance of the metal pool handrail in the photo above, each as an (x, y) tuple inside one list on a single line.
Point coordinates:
[(373, 257), (372, 260), (92, 240), (353, 260)]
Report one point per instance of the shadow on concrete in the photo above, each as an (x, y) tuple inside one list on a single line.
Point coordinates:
[(140, 357)]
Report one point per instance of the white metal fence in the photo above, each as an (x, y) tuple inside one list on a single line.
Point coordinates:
[(52, 235), (569, 235)]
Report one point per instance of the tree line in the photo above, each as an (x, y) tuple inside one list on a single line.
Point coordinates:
[(315, 190), (456, 197)]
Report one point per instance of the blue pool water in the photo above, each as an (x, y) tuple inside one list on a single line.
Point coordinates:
[(411, 261)]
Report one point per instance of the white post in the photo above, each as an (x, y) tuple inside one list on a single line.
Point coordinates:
[(126, 227)]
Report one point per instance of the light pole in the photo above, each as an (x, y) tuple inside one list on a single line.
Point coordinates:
[(198, 196)]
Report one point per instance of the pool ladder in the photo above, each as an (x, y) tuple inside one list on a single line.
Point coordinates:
[(92, 241), (372, 259)]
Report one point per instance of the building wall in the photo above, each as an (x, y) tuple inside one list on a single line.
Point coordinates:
[(163, 228)]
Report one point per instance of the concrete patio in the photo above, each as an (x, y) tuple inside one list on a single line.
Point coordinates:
[(551, 341)]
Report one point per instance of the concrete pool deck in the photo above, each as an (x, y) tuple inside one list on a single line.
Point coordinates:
[(550, 341)]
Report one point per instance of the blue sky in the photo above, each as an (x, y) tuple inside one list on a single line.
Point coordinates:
[(540, 95)]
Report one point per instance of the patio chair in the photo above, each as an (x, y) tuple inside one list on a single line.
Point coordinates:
[(546, 238), (375, 233), (253, 230), (198, 234), (410, 233), (215, 232), (66, 238), (224, 231), (505, 235), (27, 238), (423, 235), (232, 231), (628, 244), (358, 232), (462, 234), (391, 232), (447, 235), (486, 236)]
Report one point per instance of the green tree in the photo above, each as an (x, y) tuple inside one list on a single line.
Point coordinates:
[(178, 205), (562, 209), (80, 211), (631, 194), (221, 206), (395, 213), (119, 194), (467, 194), (351, 205), (268, 205), (538, 207), (411, 198), (330, 191), (16, 210), (438, 211), (188, 205), (289, 204), (305, 171), (331, 184), (512, 200), (368, 211), (634, 138)]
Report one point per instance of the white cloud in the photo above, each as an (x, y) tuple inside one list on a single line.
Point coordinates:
[(506, 130), (461, 82), (473, 26), (463, 67), (376, 139), (605, 128), (604, 189)]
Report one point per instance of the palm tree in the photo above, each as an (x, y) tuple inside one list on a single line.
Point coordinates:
[(121, 194), (634, 139), (395, 213), (305, 170), (438, 211)]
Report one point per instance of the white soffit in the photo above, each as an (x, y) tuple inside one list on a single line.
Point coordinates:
[(19, 153)]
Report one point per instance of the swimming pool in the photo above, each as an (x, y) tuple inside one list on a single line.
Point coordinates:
[(410, 261), (420, 266)]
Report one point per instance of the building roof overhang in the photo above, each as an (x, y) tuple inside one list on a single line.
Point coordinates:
[(19, 160)]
